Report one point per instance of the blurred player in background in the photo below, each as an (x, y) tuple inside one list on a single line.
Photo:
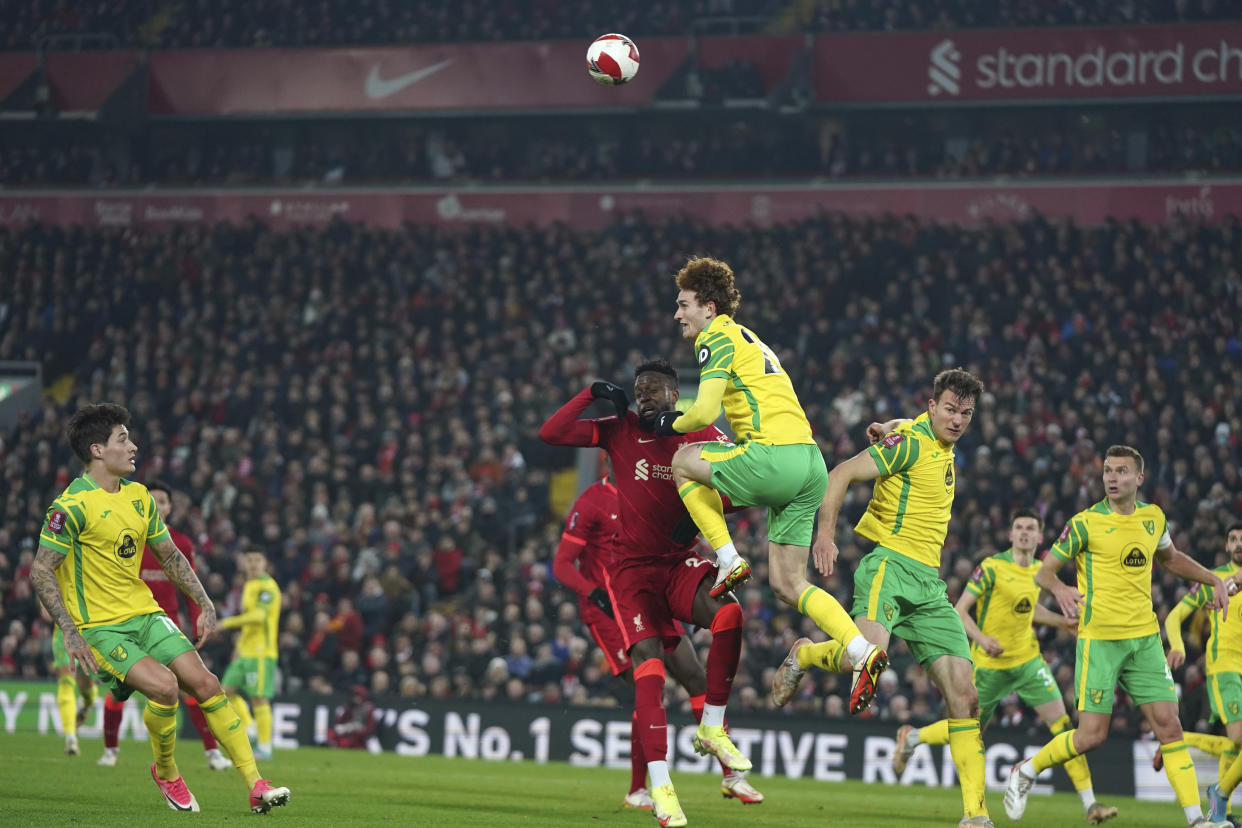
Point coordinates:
[(75, 690), (1006, 653), (110, 621), (253, 671), (897, 586), (582, 563), (1224, 674), (1113, 545), (774, 462), (355, 723), (166, 595), (654, 580)]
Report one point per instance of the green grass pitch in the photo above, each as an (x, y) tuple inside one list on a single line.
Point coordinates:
[(43, 786)]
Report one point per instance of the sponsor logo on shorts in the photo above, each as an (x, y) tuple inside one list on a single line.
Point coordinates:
[(888, 611), (118, 653), (620, 654), (1096, 696), (56, 522), (1023, 606), (1135, 558), (1233, 708), (638, 623)]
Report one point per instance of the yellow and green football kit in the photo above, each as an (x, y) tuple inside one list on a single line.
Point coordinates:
[(255, 668), (1223, 655)]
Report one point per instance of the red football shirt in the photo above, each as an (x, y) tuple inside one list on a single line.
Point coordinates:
[(165, 591), (650, 507), (589, 529)]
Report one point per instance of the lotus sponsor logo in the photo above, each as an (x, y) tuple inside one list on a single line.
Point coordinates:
[(114, 213), (943, 72), (309, 211), (450, 208)]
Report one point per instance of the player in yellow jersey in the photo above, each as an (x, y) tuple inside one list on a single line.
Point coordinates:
[(1113, 545), (1006, 653), (75, 691), (897, 586), (254, 670), (773, 463), (86, 573), (1224, 673)]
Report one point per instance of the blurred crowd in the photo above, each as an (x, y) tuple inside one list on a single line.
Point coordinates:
[(233, 23), (671, 146), (363, 405)]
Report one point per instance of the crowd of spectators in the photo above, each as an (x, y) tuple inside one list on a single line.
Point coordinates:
[(234, 23), (721, 145), (363, 405)]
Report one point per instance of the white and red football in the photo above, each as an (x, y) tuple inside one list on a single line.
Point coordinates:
[(612, 60)]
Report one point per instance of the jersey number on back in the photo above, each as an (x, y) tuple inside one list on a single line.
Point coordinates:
[(771, 365)]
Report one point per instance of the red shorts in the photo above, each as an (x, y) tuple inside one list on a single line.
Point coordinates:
[(651, 596), (608, 636)]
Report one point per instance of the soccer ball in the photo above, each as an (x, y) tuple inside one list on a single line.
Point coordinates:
[(612, 60)]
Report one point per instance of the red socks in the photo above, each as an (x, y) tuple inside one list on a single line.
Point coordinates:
[(649, 715), (725, 653), (638, 760), (112, 720)]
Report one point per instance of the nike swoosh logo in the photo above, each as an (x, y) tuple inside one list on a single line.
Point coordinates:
[(1110, 530), (649, 440), (377, 88), (1186, 767)]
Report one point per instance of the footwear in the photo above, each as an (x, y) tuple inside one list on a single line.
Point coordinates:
[(1217, 803), (217, 760), (1098, 814), (176, 794), (788, 675), (866, 679), (263, 797), (108, 760), (1205, 822), (72, 748), (263, 754), (901, 756), (84, 711), (736, 786), (715, 741), (727, 581), (980, 821), (640, 799), (665, 807), (1157, 761), (1016, 792)]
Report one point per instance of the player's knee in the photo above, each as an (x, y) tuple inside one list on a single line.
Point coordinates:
[(163, 688), (646, 649), (786, 586), (204, 686), (1085, 740)]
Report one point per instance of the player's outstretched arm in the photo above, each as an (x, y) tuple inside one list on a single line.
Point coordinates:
[(858, 468), (179, 571), (876, 431), (1068, 598), (1184, 566), (703, 413), (989, 643), (565, 429), (1045, 616), (43, 579)]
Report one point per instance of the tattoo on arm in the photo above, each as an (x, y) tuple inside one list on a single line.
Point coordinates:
[(179, 571), (43, 579)]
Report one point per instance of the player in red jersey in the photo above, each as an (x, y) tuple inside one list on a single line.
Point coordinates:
[(581, 563), (654, 581), (166, 595)]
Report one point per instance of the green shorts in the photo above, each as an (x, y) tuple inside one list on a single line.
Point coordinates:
[(254, 676), (1031, 680), (118, 647), (1225, 694), (1136, 665), (910, 601), (789, 480)]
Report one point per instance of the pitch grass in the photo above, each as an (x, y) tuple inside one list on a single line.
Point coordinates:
[(41, 786)]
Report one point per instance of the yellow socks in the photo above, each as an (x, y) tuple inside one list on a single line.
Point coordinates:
[(1232, 775), (67, 703), (263, 721), (226, 726), (1076, 767), (966, 745), (936, 733), (705, 506), (1057, 752), (1215, 745), (161, 722), (826, 655), (1181, 773), (828, 615), (243, 710)]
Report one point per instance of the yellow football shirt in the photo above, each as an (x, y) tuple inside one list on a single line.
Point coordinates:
[(259, 618), (1224, 647), (1113, 554), (912, 500), (1007, 595), (759, 399), (102, 535)]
